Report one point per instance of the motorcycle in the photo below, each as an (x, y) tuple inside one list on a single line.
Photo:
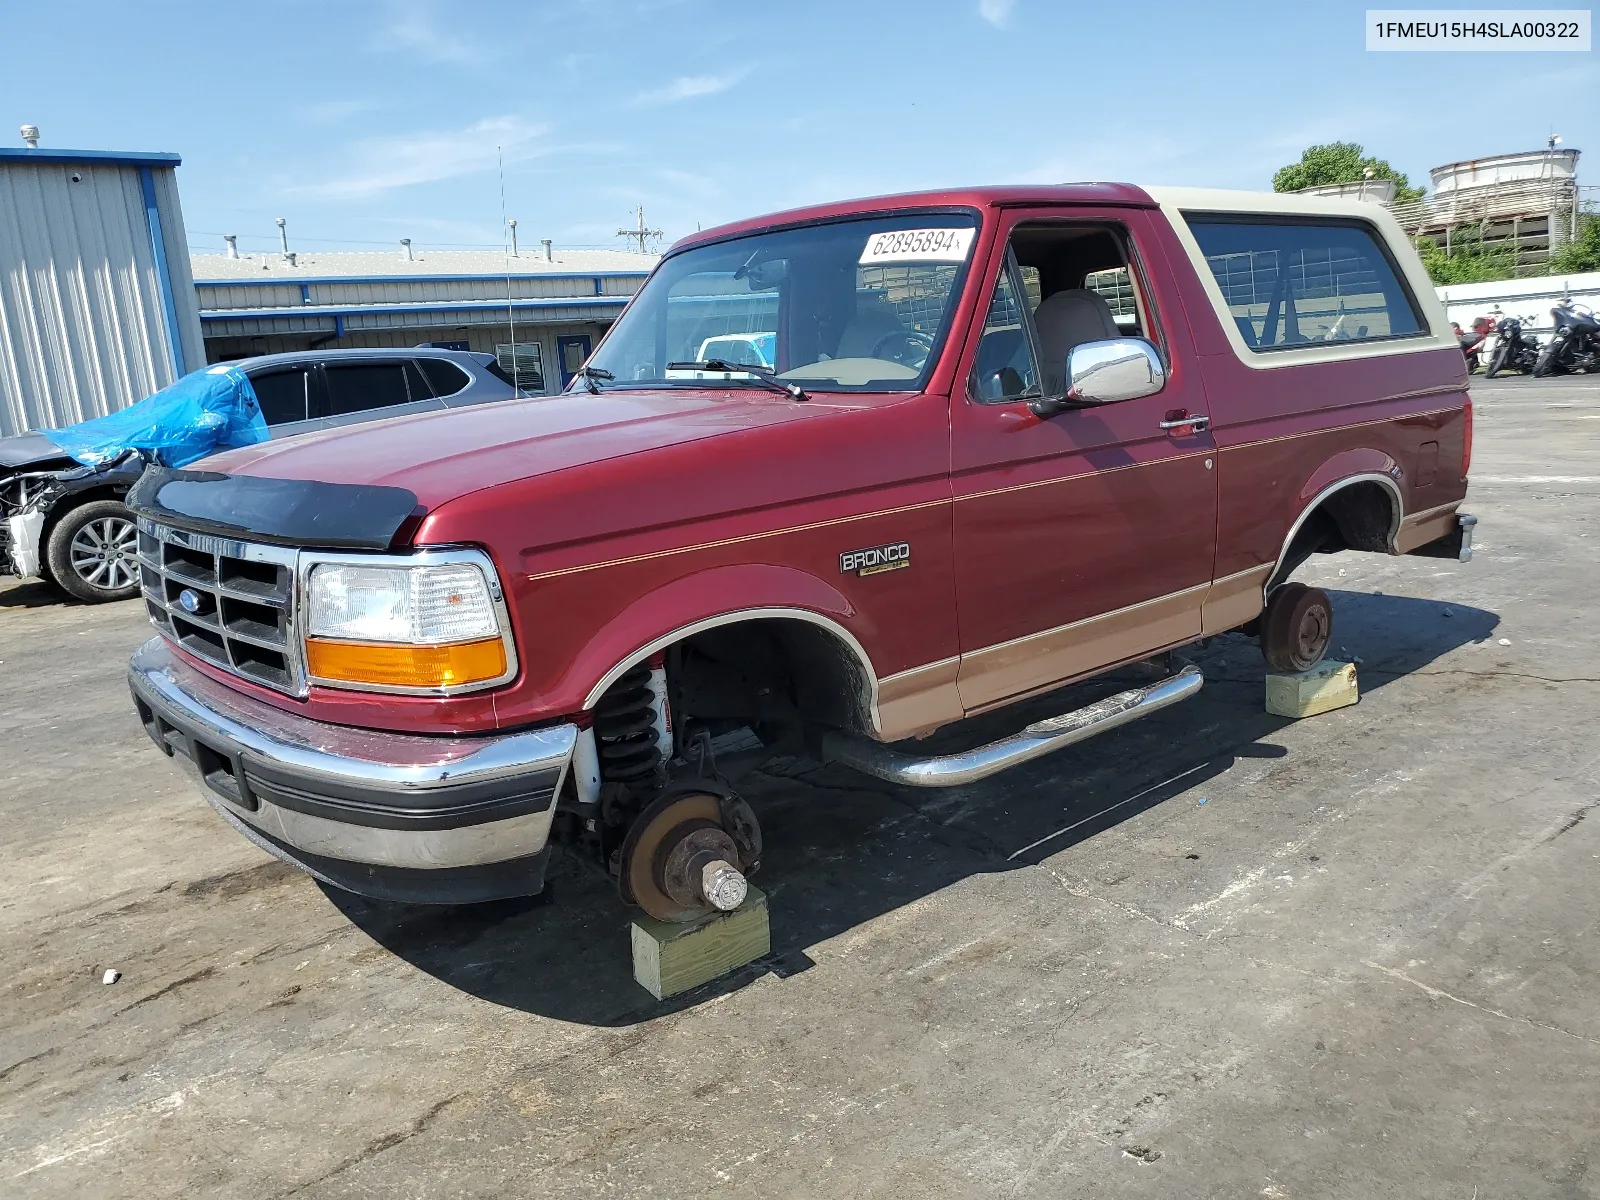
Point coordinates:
[(1472, 343), (1512, 351), (1575, 346)]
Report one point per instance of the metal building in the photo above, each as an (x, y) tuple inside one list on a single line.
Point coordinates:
[(97, 306), (541, 314)]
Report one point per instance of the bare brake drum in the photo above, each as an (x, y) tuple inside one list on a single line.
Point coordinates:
[(1296, 628), (687, 855)]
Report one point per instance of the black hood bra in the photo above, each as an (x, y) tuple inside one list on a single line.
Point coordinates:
[(290, 512)]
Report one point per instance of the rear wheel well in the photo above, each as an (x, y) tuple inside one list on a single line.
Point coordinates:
[(1359, 516)]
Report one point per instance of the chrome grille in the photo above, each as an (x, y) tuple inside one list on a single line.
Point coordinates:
[(228, 602)]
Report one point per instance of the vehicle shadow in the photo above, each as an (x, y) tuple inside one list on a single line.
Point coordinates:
[(35, 593), (843, 848)]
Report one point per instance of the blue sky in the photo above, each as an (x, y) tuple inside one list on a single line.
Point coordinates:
[(367, 122)]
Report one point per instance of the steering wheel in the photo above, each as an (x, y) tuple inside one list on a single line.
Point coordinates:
[(912, 342)]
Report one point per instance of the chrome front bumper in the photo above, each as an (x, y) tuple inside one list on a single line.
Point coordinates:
[(396, 816)]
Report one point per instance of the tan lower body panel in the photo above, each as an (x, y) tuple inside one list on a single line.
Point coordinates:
[(919, 700), (1428, 526), (1233, 600), (1041, 659)]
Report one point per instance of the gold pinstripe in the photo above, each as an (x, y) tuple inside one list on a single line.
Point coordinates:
[(890, 512)]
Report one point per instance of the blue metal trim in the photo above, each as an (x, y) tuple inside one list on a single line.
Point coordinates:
[(269, 280), (158, 245), (352, 310), (305, 293), (131, 158), (338, 325), (598, 289)]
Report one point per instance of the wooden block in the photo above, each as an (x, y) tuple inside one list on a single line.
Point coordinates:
[(669, 959), (1327, 686)]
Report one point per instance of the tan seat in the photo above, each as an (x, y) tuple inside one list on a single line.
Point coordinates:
[(1066, 319)]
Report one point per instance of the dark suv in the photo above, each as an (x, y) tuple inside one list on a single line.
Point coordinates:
[(66, 522)]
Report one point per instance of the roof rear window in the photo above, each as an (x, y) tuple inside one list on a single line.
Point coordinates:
[(1290, 284)]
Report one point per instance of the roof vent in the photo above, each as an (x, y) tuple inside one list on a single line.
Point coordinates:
[(512, 224), (292, 256), (549, 252), (232, 239), (30, 136), (405, 246), (283, 236)]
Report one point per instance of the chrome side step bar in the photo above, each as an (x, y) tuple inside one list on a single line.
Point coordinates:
[(1040, 738)]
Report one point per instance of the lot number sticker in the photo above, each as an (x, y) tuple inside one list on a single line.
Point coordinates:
[(917, 245)]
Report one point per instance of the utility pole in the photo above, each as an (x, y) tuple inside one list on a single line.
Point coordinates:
[(641, 234)]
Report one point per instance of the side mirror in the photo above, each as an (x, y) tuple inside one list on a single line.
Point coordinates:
[(1105, 372)]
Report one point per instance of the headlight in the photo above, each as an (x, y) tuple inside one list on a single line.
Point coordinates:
[(430, 626)]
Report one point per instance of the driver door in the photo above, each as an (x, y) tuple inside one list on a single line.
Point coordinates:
[(1084, 538)]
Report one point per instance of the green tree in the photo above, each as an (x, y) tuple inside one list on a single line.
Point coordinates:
[(1341, 162), (1468, 260), (1583, 252)]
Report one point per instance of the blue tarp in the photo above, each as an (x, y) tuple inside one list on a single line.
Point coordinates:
[(208, 410)]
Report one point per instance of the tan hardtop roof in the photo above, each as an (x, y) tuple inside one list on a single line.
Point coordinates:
[(1223, 200)]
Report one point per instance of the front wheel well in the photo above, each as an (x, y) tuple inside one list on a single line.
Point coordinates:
[(1361, 515), (774, 674), (76, 500)]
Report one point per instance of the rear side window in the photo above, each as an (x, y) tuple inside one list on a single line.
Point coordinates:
[(447, 378), (359, 387), (282, 395), (1291, 283)]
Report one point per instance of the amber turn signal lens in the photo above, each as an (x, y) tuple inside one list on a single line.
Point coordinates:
[(390, 665)]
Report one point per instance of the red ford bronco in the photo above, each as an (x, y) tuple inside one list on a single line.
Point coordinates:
[(949, 451)]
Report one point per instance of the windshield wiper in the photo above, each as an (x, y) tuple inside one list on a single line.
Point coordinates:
[(590, 374), (760, 374)]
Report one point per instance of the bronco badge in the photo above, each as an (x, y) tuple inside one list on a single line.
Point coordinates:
[(876, 559)]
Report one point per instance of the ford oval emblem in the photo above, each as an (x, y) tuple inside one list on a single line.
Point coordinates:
[(189, 600)]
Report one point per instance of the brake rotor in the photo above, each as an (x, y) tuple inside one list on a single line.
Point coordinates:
[(666, 851)]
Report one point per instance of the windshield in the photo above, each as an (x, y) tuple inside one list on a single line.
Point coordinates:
[(851, 306)]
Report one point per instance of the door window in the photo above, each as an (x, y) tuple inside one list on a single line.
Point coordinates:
[(1292, 284), (362, 386), (282, 395), (1005, 367)]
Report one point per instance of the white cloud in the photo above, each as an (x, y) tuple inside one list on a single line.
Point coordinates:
[(996, 12), (413, 29), (689, 87), (384, 164)]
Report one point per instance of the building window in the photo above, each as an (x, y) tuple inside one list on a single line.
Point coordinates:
[(523, 363)]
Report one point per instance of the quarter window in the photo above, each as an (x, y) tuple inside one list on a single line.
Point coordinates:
[(1289, 284), (447, 378), (1005, 367)]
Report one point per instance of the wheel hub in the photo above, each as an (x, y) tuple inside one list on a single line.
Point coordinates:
[(680, 863)]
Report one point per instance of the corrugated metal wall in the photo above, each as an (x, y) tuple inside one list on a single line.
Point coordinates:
[(83, 325)]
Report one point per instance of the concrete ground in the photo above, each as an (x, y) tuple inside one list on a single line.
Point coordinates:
[(1214, 954)]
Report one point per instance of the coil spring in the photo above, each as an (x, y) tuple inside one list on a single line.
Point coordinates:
[(625, 728)]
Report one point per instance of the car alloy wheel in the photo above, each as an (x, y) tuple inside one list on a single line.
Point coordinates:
[(103, 553), (92, 552)]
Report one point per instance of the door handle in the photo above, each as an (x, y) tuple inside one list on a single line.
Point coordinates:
[(1195, 422)]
